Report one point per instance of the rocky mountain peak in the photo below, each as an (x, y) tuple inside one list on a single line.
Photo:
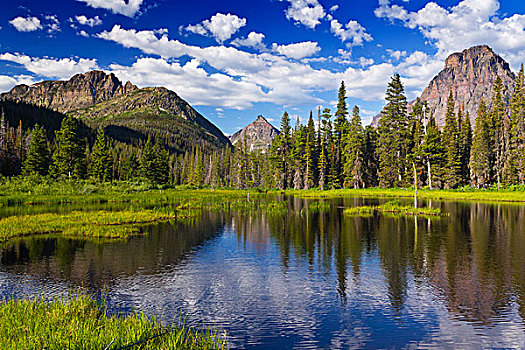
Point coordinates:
[(470, 75), (259, 134), (82, 90)]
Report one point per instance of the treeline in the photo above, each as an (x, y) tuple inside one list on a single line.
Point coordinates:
[(337, 153)]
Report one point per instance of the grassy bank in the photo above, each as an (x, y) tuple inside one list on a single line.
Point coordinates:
[(505, 195), (91, 224), (44, 191), (81, 323), (393, 208)]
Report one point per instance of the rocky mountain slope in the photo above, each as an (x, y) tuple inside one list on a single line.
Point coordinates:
[(129, 114), (82, 90), (470, 75), (259, 134)]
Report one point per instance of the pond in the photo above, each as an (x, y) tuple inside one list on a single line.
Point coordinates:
[(305, 278)]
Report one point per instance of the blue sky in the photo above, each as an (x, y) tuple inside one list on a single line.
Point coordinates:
[(233, 60)]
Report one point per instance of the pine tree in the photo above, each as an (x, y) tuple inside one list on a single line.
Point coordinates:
[(393, 135), (433, 154), (310, 157), (465, 145), (147, 161), (282, 153), (354, 162), (161, 169), (498, 131), (513, 172), (340, 129), (101, 160), (325, 137), (69, 156), (38, 158), (480, 157), (452, 176), (416, 157), (370, 156)]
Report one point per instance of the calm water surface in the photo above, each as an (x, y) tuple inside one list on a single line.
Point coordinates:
[(306, 279)]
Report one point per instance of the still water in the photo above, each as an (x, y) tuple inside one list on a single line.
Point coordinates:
[(305, 278)]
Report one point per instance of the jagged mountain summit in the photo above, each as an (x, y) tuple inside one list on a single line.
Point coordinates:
[(82, 90), (470, 75), (128, 113), (259, 135)]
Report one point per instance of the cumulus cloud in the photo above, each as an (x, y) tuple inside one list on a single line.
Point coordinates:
[(396, 54), (353, 33), (307, 12), (297, 50), (253, 40), (220, 26), (191, 81), (53, 24), (62, 68), (127, 8), (7, 82), (265, 77), (469, 23), (86, 21), (28, 24)]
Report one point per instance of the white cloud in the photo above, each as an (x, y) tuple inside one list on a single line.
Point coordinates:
[(306, 12), (334, 8), (253, 40), (28, 24), (83, 33), (62, 68), (53, 24), (124, 7), (297, 50), (192, 82), (220, 26), (7, 82), (364, 62), (469, 23), (396, 54), (353, 32), (263, 77), (86, 21)]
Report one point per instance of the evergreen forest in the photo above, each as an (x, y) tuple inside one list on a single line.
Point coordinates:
[(332, 150)]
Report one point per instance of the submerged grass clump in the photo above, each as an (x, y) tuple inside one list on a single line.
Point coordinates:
[(91, 224), (81, 323), (394, 208)]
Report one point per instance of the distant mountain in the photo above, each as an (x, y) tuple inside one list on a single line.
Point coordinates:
[(129, 114), (470, 75), (259, 135)]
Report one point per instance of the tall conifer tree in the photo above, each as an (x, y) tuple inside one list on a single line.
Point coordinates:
[(393, 135)]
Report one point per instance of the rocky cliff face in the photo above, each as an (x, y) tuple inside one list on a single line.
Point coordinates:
[(470, 75), (82, 90), (259, 134)]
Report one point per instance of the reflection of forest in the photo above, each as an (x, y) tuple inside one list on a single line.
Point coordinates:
[(474, 259), (94, 264)]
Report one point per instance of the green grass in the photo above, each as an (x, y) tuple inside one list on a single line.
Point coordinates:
[(468, 194), (392, 207), (91, 224), (81, 323)]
